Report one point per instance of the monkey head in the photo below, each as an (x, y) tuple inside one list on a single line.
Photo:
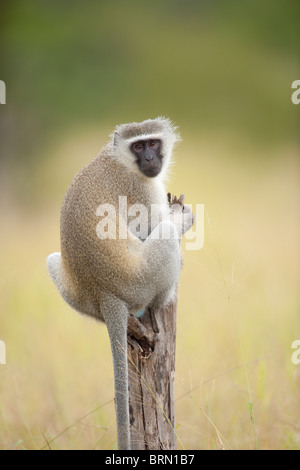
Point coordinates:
[(145, 147)]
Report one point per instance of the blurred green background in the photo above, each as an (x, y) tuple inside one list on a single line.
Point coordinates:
[(222, 71)]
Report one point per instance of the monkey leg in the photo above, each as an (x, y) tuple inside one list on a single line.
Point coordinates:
[(115, 314), (163, 261)]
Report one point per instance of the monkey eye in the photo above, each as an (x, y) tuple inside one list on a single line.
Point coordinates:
[(153, 143), (138, 147)]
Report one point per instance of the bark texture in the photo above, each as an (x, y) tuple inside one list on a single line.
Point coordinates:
[(151, 369)]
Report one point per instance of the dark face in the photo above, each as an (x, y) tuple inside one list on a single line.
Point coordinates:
[(148, 156)]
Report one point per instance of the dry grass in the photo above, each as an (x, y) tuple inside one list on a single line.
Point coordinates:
[(56, 390)]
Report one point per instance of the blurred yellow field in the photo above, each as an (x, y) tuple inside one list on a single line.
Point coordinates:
[(56, 389), (225, 73)]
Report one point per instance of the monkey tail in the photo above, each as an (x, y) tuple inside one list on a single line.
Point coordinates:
[(115, 314)]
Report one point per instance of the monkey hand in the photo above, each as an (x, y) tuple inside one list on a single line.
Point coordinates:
[(188, 219), (181, 214)]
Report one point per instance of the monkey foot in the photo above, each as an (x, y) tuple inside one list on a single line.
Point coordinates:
[(174, 200), (141, 334)]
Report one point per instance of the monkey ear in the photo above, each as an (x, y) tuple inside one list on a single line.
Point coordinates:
[(116, 138)]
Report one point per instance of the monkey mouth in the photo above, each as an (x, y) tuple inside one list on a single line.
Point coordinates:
[(151, 172), (149, 168)]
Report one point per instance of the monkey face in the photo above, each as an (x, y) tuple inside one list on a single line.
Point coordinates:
[(148, 156)]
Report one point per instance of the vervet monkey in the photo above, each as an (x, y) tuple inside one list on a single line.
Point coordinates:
[(111, 278)]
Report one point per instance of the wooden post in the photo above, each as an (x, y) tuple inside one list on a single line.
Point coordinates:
[(151, 369)]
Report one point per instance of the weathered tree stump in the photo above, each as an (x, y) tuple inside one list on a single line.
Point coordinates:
[(151, 369)]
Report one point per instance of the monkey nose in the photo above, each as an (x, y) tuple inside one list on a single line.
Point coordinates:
[(148, 156)]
